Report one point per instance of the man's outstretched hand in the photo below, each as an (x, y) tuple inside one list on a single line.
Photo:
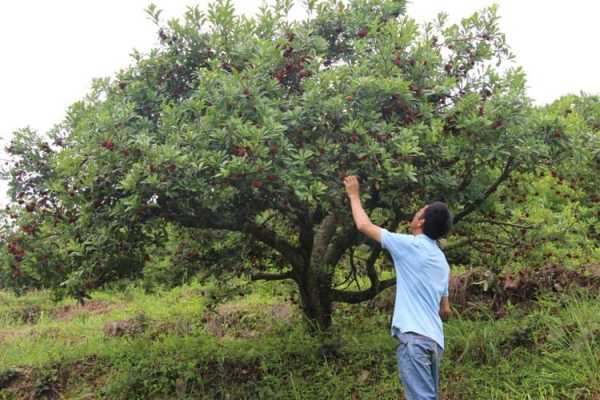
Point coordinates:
[(361, 219), (352, 186)]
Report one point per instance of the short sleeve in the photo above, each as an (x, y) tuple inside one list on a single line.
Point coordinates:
[(395, 243)]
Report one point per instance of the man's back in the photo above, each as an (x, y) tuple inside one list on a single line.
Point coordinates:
[(422, 274)]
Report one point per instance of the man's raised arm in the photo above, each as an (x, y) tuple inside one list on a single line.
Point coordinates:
[(361, 219)]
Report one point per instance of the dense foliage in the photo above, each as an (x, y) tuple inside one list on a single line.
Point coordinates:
[(221, 152)]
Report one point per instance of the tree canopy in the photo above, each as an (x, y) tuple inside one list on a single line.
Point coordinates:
[(236, 132)]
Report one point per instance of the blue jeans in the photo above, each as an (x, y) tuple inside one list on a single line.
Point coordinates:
[(419, 360)]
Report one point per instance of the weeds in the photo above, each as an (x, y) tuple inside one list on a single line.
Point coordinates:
[(548, 351)]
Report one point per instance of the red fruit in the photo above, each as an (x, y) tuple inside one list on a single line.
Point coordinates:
[(279, 75), (108, 144), (398, 61), (362, 32), (162, 35), (557, 133), (354, 138), (498, 124), (273, 148), (257, 184), (125, 152), (29, 229), (448, 67), (172, 168), (240, 151), (481, 110), (272, 178), (349, 98)]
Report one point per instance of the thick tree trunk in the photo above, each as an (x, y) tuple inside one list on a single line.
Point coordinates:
[(316, 303), (316, 279)]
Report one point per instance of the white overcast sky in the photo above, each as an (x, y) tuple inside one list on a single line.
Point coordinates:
[(51, 50)]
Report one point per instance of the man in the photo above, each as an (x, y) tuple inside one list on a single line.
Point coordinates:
[(422, 275)]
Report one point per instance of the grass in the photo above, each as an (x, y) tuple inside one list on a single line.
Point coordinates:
[(550, 351)]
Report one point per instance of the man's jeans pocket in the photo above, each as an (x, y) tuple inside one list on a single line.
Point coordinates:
[(418, 363)]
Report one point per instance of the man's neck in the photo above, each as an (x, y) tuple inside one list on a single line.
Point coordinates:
[(417, 231)]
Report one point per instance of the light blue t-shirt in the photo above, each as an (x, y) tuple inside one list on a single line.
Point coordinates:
[(422, 275)]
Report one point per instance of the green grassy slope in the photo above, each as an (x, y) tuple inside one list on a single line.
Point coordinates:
[(175, 344)]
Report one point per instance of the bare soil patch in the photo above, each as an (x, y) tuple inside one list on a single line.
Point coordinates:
[(92, 307), (245, 321)]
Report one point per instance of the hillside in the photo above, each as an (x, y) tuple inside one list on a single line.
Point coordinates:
[(128, 344)]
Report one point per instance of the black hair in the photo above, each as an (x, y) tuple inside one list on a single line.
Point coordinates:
[(438, 220)]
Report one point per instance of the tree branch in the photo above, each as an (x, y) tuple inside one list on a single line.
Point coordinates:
[(470, 241), (467, 176), (354, 297), (493, 222), (339, 246), (271, 277), (376, 252), (207, 219), (370, 264), (322, 239), (475, 204), (353, 274), (271, 239), (202, 218)]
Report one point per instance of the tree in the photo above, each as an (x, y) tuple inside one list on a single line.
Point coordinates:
[(547, 215), (247, 125)]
